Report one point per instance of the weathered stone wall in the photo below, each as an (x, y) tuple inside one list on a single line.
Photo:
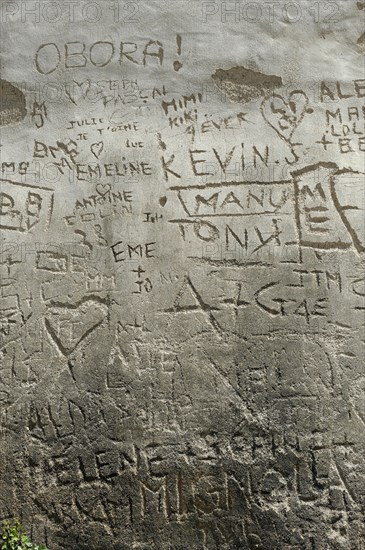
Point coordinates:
[(182, 274)]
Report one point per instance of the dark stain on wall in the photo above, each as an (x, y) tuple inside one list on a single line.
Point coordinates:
[(12, 104), (243, 85)]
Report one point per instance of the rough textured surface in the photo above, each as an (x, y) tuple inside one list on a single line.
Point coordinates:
[(12, 104), (182, 275)]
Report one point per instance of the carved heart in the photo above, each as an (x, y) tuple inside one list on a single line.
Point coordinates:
[(285, 116), (163, 201), (68, 325), (103, 189), (97, 148), (77, 90)]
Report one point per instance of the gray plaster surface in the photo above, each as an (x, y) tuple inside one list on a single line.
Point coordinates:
[(182, 283)]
